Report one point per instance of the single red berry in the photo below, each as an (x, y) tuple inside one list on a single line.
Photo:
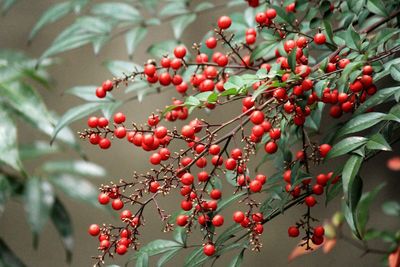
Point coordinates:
[(275, 133), (100, 92), (94, 230), (94, 139), (105, 244), (214, 149), (271, 13), (322, 179), (317, 240), (176, 63), (222, 60), (367, 70), (324, 150), (165, 62), (218, 220), (103, 198), (203, 176), (93, 122), (261, 18), (271, 147), (257, 217), (301, 42), (117, 204), (107, 85), (310, 201), (211, 42), (121, 249), (104, 143), (187, 131), (209, 249), (102, 122), (258, 228), (155, 159), (125, 214), (257, 117), (119, 117), (293, 231), (180, 51), (255, 186), (154, 186), (150, 70), (186, 205), (319, 38), (203, 219), (261, 178), (182, 220), (120, 132), (187, 179), (215, 194), (318, 189), (238, 216), (165, 79), (319, 231), (224, 22)]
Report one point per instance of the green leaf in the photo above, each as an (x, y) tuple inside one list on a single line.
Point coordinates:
[(378, 142), (88, 93), (227, 201), (361, 122), (79, 167), (76, 188), (234, 82), (180, 235), (62, 222), (142, 260), (119, 68), (352, 39), (158, 246), (5, 192), (134, 37), (237, 260), (192, 101), (7, 256), (51, 15), (39, 200), (173, 9), (377, 7), (380, 97), (395, 72), (203, 6), (355, 191), (350, 171), (6, 5), (346, 145), (8, 146), (180, 23), (37, 149), (363, 208), (167, 256), (228, 233), (198, 252), (391, 208), (162, 48), (75, 114), (262, 50), (292, 59), (118, 11)]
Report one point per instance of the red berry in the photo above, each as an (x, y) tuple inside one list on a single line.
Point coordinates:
[(317, 240), (94, 139), (275, 133), (165, 79), (104, 244), (318, 189), (271, 13), (324, 149), (104, 143), (319, 38), (154, 187), (257, 117), (214, 149), (224, 22), (120, 132), (211, 42), (255, 186), (100, 92), (182, 220), (155, 159), (125, 214), (93, 122), (322, 179), (209, 249), (261, 178), (367, 70), (293, 231), (271, 147), (150, 70), (218, 220), (319, 231), (180, 51), (176, 63), (107, 85), (94, 230), (215, 194), (202, 176), (103, 198), (238, 216), (102, 122), (310, 201), (165, 62), (187, 131), (117, 204), (186, 205), (119, 118), (259, 228), (187, 179), (222, 60), (261, 18), (121, 249)]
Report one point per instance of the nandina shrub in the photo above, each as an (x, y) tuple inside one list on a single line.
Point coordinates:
[(293, 63)]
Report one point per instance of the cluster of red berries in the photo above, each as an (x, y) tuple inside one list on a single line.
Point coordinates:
[(107, 86)]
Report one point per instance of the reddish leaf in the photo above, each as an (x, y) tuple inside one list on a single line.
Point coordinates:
[(301, 250), (394, 163), (329, 244), (394, 258)]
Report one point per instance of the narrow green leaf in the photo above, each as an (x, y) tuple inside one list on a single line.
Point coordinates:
[(352, 39), (51, 15), (167, 256), (380, 97), (361, 122), (6, 5), (228, 233), (346, 145), (134, 37), (377, 7), (7, 256), (142, 260), (355, 191), (378, 142), (162, 48), (39, 200), (79, 167), (159, 246), (227, 201), (8, 146), (292, 59), (395, 72), (62, 222), (117, 10), (179, 24), (391, 208), (262, 50), (237, 260), (173, 9), (350, 171)]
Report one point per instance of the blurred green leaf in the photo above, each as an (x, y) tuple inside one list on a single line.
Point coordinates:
[(377, 7), (134, 37), (167, 256), (5, 192), (237, 260), (79, 167), (391, 208), (39, 200), (119, 68), (8, 146), (62, 221), (173, 9), (346, 145), (37, 149), (117, 10), (179, 24), (395, 72), (142, 260), (7, 257), (51, 15), (162, 48), (88, 93), (203, 6)]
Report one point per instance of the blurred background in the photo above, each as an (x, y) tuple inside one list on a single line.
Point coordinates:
[(82, 67)]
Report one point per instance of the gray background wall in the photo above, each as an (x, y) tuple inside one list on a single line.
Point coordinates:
[(81, 67)]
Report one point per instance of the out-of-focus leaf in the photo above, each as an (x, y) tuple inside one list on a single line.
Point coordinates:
[(173, 9), (39, 200), (142, 260), (377, 7), (8, 146), (167, 256), (237, 260), (62, 221), (117, 10), (79, 167), (118, 67), (179, 24), (51, 15), (5, 192), (37, 149), (134, 37), (7, 256), (391, 208), (88, 93), (162, 48), (203, 6), (346, 145), (77, 188), (395, 72)]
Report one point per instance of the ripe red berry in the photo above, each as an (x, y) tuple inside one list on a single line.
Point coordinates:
[(318, 189), (324, 150), (94, 139), (203, 176), (317, 240), (93, 122), (150, 70), (224, 22), (94, 230), (154, 187), (104, 244), (275, 133), (310, 201), (165, 62), (107, 85), (222, 60), (165, 79), (176, 63), (319, 38), (211, 42), (117, 204), (258, 228), (214, 149), (271, 147), (322, 179), (186, 205), (367, 70), (209, 249), (261, 178), (104, 143), (215, 194), (182, 220), (218, 220), (121, 249), (293, 231), (187, 179), (125, 214), (120, 132), (119, 117), (271, 13), (261, 18), (100, 92), (257, 117), (180, 51), (319, 231), (187, 131), (238, 216), (255, 186), (155, 159), (103, 198)]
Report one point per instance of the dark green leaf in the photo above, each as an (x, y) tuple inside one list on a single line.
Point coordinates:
[(227, 201), (167, 256), (391, 208), (262, 50), (352, 39), (228, 233), (361, 122), (7, 257), (363, 208), (180, 23), (377, 7), (355, 191), (237, 260), (292, 59), (8, 146), (346, 145), (159, 246), (380, 97), (79, 167), (378, 142), (62, 222), (134, 37), (350, 171), (180, 235), (51, 15), (5, 192), (39, 200)]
